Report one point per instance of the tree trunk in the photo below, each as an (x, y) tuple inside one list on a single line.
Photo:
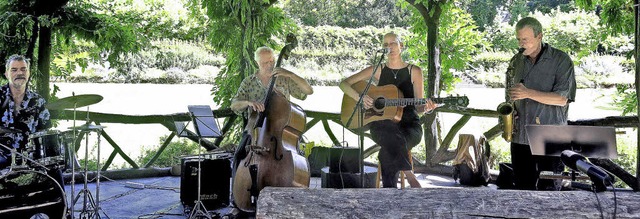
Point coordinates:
[(32, 41), (44, 61), (431, 14)]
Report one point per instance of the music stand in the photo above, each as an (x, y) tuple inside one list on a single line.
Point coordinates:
[(590, 141), (205, 126)]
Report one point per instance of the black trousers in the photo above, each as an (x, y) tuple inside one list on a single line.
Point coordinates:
[(396, 140), (527, 167)]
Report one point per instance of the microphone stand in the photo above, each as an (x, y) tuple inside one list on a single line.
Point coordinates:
[(359, 107)]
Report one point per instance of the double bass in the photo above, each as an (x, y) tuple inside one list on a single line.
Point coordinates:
[(271, 138)]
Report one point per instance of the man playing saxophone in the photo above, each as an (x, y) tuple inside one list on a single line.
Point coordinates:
[(543, 85)]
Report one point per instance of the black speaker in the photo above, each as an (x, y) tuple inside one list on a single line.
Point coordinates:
[(349, 180), (214, 183), (318, 159), (344, 160)]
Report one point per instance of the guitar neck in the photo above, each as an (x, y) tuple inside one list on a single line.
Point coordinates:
[(410, 101)]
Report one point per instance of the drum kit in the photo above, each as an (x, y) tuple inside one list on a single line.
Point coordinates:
[(26, 189)]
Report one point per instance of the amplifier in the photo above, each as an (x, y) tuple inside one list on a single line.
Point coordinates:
[(214, 182), (344, 160)]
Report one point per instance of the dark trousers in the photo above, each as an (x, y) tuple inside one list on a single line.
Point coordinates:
[(527, 167), (396, 140)]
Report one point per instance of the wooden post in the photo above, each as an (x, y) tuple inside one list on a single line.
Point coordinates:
[(637, 44)]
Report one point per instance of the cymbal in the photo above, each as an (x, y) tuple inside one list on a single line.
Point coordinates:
[(87, 127), (74, 101)]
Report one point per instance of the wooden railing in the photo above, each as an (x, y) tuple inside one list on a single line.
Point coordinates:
[(315, 117)]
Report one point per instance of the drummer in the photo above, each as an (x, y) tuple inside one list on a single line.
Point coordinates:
[(23, 111)]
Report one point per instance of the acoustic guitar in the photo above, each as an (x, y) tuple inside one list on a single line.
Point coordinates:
[(388, 104)]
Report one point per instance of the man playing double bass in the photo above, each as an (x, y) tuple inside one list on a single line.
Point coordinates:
[(254, 88)]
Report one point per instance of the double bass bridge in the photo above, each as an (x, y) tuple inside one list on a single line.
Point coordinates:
[(259, 149)]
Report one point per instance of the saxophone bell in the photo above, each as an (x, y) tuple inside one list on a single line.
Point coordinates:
[(506, 120)]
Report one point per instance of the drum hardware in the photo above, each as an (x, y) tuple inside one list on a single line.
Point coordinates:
[(51, 148), (90, 205), (31, 194), (23, 165)]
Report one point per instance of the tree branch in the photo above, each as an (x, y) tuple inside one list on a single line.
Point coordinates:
[(421, 8)]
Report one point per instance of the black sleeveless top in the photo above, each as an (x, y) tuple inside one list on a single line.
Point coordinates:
[(401, 78)]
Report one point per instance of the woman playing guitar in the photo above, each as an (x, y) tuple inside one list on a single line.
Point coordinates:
[(395, 138)]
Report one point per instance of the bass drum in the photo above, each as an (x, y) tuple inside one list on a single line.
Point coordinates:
[(31, 194)]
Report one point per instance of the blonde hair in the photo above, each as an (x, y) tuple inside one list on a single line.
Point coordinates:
[(395, 35)]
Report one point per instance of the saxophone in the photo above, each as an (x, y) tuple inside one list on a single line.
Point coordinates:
[(507, 108)]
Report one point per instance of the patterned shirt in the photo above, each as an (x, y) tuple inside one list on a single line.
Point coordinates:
[(30, 118), (251, 89)]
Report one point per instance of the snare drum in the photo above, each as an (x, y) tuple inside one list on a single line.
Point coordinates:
[(50, 148), (29, 194)]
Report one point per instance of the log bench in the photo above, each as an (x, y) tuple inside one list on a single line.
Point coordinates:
[(467, 202)]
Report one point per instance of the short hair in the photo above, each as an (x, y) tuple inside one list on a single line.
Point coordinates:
[(531, 23), (16, 57), (256, 55), (393, 34)]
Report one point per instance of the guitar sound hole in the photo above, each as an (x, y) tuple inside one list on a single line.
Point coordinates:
[(378, 104)]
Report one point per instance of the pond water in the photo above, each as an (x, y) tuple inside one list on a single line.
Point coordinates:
[(155, 99)]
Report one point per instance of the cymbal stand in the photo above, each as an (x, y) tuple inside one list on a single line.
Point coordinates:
[(91, 205), (72, 155), (198, 209)]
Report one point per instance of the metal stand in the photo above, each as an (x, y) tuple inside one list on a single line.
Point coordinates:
[(90, 205), (359, 107), (209, 130), (198, 209)]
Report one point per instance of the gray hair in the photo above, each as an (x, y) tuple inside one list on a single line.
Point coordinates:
[(256, 55), (16, 57), (531, 23)]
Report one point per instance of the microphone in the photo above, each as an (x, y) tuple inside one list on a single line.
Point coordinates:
[(580, 163), (521, 50), (385, 50)]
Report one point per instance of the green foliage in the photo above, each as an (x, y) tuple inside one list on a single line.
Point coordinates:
[(618, 18), (547, 6), (171, 154), (237, 28), (517, 9), (347, 13), (575, 32), (616, 15), (328, 54), (483, 12), (627, 151), (625, 99), (458, 41)]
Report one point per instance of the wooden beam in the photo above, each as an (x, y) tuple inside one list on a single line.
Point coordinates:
[(469, 202), (160, 150), (637, 44)]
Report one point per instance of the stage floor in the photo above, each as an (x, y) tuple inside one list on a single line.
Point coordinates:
[(160, 197)]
